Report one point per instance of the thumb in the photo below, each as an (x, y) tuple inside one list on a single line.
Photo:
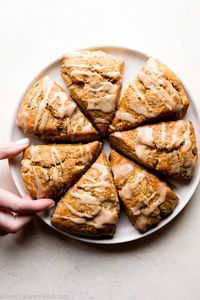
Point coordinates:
[(13, 148)]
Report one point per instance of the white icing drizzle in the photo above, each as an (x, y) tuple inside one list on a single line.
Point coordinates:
[(106, 103), (163, 132), (138, 91), (55, 156), (74, 220), (129, 188), (100, 120), (104, 217), (122, 171), (152, 78), (186, 136), (125, 116), (88, 153), (111, 127), (145, 135), (142, 152), (118, 134), (177, 139), (161, 191), (44, 120), (79, 123), (141, 110), (77, 73), (107, 86), (34, 151), (66, 107), (95, 211), (54, 175), (26, 163), (84, 197), (102, 178), (47, 85), (114, 75), (144, 139), (87, 127)]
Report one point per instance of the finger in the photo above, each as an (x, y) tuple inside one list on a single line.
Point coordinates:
[(11, 202), (12, 223), (13, 148)]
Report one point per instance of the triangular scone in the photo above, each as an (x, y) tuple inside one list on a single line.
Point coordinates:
[(154, 94), (49, 113), (91, 206), (94, 79), (49, 170), (168, 147), (146, 198)]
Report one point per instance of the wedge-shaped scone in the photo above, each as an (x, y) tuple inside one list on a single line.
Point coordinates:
[(49, 170), (90, 207), (146, 198), (49, 113), (94, 79), (154, 94), (168, 147)]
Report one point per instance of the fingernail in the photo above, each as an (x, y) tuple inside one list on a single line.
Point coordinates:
[(23, 142), (51, 205)]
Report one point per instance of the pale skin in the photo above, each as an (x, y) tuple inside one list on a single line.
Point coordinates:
[(16, 211)]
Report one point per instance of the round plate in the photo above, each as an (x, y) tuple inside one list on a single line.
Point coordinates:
[(125, 231)]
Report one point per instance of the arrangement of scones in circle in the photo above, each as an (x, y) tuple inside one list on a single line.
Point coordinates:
[(145, 130)]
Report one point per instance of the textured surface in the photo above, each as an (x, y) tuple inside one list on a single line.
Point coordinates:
[(49, 170), (94, 80), (49, 113), (91, 206), (168, 147), (156, 93), (146, 198), (38, 261)]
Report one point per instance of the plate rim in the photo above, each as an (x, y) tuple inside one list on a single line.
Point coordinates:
[(108, 241)]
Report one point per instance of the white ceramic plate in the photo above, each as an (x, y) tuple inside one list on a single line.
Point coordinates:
[(125, 231)]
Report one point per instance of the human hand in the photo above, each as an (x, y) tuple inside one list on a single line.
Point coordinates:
[(15, 211)]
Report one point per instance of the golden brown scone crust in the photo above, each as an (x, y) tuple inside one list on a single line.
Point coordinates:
[(146, 198), (155, 94), (49, 113), (94, 79), (90, 207), (168, 147), (49, 170)]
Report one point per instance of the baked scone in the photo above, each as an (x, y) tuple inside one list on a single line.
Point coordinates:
[(168, 147), (49, 113), (49, 170), (94, 79), (146, 198), (155, 94), (91, 206)]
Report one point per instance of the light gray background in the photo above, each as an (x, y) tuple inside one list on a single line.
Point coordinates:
[(39, 263)]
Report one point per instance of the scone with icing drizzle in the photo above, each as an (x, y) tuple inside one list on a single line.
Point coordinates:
[(48, 112), (49, 170), (94, 79), (155, 94), (146, 198), (168, 147), (90, 207)]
